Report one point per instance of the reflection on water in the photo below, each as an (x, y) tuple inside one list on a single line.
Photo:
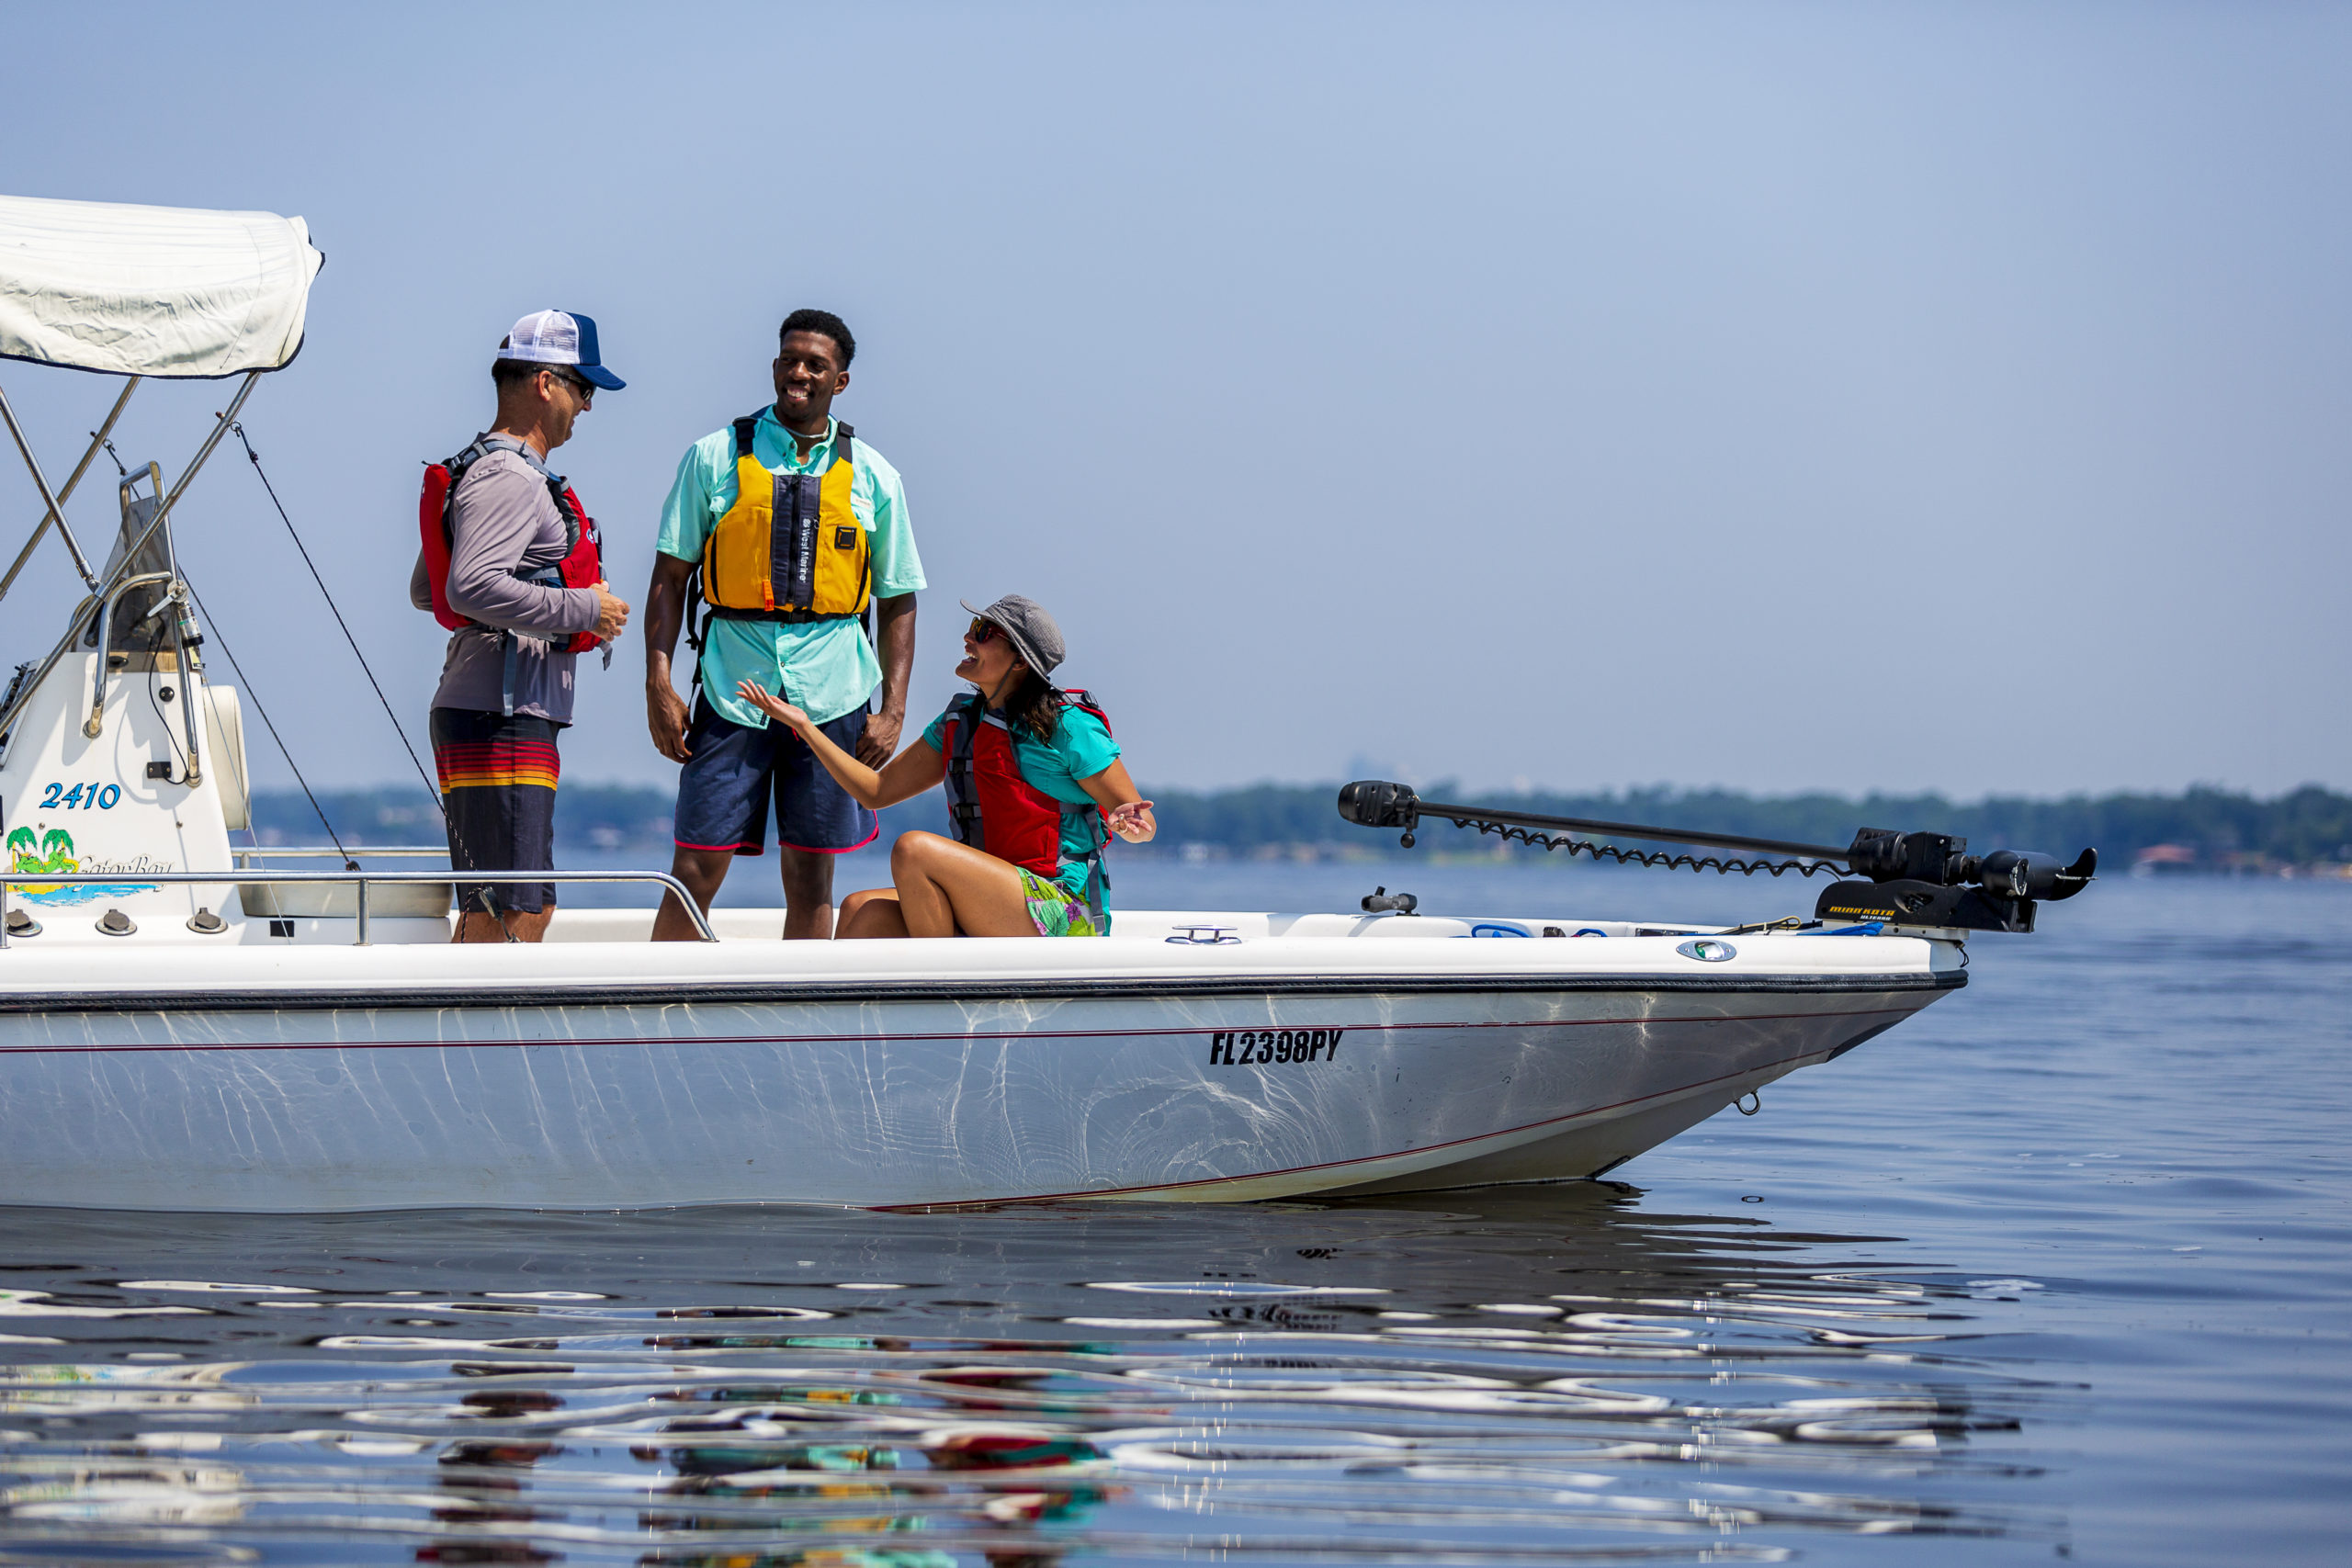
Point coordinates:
[(1501, 1377)]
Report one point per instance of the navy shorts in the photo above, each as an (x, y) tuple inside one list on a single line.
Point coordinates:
[(732, 769), (497, 782)]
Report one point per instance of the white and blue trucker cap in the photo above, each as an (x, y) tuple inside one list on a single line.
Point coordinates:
[(560, 337)]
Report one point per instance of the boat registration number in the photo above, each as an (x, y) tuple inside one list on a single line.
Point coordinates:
[(1260, 1048)]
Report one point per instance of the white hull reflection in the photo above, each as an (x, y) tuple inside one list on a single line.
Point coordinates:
[(616, 1074)]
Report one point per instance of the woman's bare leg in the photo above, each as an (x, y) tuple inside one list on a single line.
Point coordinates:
[(945, 885), (873, 912)]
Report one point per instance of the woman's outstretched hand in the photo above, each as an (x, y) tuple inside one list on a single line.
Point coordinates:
[(1133, 821), (770, 704)]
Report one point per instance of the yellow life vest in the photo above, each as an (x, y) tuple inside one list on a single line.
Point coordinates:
[(790, 548)]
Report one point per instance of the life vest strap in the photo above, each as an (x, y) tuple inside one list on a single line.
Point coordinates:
[(966, 715), (843, 432), (781, 618), (544, 576), (963, 800), (558, 487)]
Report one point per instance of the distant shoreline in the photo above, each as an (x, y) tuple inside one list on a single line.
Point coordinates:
[(2306, 832)]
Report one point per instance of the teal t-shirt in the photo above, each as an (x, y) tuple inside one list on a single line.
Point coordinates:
[(1081, 747)]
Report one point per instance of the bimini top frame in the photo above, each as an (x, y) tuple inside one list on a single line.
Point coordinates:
[(141, 291)]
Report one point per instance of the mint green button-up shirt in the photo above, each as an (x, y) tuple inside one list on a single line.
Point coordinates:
[(825, 667)]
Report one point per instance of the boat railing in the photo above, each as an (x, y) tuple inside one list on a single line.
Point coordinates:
[(264, 876), (328, 851)]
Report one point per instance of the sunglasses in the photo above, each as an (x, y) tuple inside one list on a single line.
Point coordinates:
[(984, 632), (583, 388)]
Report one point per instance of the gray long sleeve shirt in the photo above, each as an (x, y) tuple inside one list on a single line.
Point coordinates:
[(502, 517)]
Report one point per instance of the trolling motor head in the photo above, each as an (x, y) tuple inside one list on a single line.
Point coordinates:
[(1375, 802)]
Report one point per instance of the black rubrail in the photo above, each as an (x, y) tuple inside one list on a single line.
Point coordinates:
[(1914, 879)]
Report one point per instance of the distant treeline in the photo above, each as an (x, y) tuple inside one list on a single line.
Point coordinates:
[(2225, 829)]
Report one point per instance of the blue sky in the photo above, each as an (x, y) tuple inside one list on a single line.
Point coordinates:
[(1776, 396)]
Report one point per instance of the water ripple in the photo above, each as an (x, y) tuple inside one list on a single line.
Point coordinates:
[(1339, 1385)]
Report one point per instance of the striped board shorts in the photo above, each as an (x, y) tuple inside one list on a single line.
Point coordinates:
[(498, 779)]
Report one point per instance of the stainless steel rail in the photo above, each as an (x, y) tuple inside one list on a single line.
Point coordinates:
[(360, 878), (381, 852), (95, 726)]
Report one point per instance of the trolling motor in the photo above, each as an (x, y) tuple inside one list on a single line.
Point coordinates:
[(1913, 879)]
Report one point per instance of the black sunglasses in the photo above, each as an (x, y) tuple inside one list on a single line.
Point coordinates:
[(984, 632), (578, 383)]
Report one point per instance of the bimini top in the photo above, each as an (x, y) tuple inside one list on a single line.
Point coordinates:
[(151, 291)]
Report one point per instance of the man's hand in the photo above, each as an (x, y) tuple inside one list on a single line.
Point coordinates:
[(665, 716), (896, 618), (612, 614), (880, 744)]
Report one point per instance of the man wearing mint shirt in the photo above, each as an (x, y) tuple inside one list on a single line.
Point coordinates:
[(734, 759)]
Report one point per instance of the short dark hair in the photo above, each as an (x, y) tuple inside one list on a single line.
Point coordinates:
[(823, 321), (505, 373)]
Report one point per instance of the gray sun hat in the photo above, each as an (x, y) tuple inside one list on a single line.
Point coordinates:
[(1034, 635)]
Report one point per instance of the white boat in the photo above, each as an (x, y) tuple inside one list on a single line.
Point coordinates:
[(185, 1026)]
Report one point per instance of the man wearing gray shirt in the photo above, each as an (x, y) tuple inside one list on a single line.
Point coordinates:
[(512, 536)]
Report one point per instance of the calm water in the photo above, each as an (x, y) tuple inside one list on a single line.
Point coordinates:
[(2059, 1270)]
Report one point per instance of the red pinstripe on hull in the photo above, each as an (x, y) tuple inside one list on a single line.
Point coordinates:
[(886, 1039)]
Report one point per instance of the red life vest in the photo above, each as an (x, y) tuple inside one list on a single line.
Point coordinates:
[(583, 564), (993, 808)]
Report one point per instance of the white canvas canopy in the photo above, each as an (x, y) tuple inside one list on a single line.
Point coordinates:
[(151, 291)]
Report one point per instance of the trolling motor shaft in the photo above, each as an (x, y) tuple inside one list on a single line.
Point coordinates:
[(1913, 879)]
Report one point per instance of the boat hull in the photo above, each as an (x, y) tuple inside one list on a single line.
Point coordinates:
[(894, 1094)]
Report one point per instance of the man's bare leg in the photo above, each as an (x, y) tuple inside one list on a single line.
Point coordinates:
[(702, 871), (808, 893)]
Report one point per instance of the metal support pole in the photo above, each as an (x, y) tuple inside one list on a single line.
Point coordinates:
[(98, 442), (220, 428), (190, 719), (176, 604), (362, 934), (49, 497)]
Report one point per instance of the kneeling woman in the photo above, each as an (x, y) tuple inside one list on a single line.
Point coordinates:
[(1034, 788)]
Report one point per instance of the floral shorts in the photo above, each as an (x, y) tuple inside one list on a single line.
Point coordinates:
[(1053, 910)]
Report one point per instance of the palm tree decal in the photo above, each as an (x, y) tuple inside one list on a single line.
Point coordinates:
[(58, 844), (52, 853)]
